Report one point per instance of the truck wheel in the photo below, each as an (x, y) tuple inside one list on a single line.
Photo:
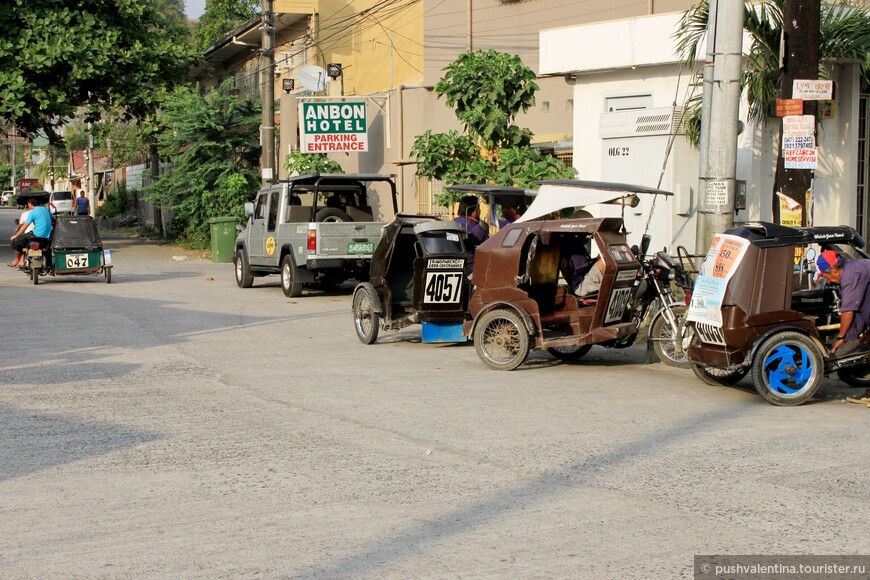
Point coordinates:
[(717, 377), (244, 279), (366, 320), (664, 341), (289, 284), (331, 214), (788, 369), (501, 340), (569, 353), (857, 376)]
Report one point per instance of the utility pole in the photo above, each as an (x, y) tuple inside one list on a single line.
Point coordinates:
[(719, 107), (14, 144), (91, 167), (267, 95), (800, 50)]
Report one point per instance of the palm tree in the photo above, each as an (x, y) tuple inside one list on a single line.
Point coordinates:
[(844, 34)]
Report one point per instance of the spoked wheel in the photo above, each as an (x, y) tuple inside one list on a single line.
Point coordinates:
[(569, 353), (501, 340), (719, 377), (290, 283), (857, 376), (366, 320), (788, 369), (664, 339), (244, 278)]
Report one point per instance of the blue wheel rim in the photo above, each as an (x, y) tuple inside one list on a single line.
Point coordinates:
[(788, 370)]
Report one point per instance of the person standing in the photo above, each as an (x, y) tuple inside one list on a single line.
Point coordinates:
[(40, 217), (83, 204), (476, 234)]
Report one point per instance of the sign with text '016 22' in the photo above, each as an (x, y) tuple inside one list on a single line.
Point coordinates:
[(331, 127)]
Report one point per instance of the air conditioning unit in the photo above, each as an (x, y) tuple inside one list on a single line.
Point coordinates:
[(635, 144)]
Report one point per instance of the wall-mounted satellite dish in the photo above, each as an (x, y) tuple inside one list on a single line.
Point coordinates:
[(313, 78)]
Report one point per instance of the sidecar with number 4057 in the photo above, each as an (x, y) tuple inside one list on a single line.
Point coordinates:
[(417, 276)]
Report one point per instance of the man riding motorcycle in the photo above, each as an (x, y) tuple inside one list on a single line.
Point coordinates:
[(40, 217)]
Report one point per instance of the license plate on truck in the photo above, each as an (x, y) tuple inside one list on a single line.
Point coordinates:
[(360, 247)]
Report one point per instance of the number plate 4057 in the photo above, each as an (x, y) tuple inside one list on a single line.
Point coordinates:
[(442, 287)]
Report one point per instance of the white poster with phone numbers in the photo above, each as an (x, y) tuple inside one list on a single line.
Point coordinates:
[(723, 257)]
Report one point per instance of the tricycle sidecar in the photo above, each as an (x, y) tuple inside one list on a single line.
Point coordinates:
[(416, 277), (75, 248), (756, 310), (518, 304)]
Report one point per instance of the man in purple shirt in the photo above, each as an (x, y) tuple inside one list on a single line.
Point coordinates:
[(469, 219), (853, 276)]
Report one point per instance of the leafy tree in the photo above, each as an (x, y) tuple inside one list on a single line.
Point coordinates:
[(487, 90), (99, 55), (221, 17), (210, 143), (298, 163), (5, 176), (843, 34)]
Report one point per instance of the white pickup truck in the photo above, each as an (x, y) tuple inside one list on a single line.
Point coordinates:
[(311, 229)]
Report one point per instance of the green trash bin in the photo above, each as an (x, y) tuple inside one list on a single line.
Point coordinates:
[(223, 238)]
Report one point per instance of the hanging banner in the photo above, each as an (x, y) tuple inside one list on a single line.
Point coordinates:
[(330, 127), (799, 141), (723, 257)]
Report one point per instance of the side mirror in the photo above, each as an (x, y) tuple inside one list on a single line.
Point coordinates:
[(249, 209), (644, 244)]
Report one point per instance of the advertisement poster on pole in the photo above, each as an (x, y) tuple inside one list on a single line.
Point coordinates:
[(799, 141), (332, 127), (723, 257)]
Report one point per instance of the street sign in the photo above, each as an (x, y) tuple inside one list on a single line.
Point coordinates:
[(333, 126)]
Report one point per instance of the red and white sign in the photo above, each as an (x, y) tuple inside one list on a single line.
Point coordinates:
[(799, 142)]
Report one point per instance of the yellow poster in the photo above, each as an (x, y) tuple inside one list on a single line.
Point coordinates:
[(789, 211)]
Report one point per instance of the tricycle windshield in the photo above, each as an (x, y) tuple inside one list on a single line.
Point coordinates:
[(76, 232), (441, 242)]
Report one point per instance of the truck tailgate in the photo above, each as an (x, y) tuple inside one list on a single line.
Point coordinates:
[(348, 238)]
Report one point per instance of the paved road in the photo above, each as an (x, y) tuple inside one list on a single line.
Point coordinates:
[(170, 424)]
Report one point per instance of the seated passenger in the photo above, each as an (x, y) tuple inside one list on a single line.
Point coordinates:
[(469, 219), (509, 214), (581, 271)]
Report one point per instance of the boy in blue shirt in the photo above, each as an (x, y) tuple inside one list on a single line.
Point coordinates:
[(40, 217)]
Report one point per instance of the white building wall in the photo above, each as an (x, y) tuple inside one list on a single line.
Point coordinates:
[(635, 57)]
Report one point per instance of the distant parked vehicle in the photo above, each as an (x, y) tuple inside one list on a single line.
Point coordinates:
[(4, 197), (62, 202)]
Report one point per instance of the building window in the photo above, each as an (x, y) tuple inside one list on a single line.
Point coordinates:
[(628, 103)]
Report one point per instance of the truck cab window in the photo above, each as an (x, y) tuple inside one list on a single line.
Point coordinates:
[(273, 210)]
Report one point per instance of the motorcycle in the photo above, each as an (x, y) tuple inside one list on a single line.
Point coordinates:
[(668, 335)]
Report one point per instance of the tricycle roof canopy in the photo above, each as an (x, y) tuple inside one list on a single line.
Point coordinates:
[(558, 194), (769, 235), (499, 194)]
